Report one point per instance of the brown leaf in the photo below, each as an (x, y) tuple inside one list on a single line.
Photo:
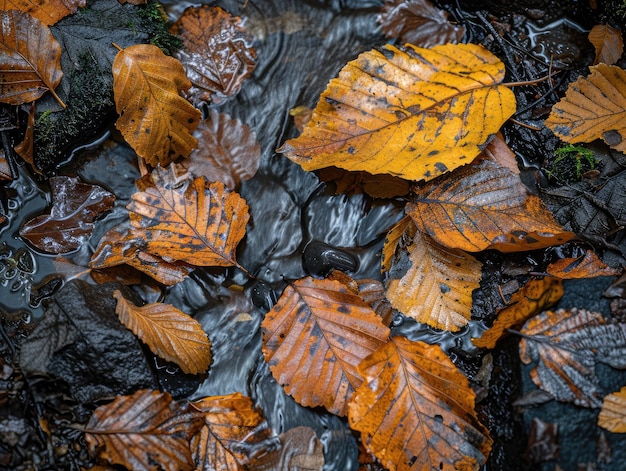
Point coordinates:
[(613, 413), (585, 266), (46, 11), (5, 172), (25, 148), (189, 220), (30, 59), (414, 113), (437, 288), (170, 333), (154, 119), (608, 43), (543, 441), (400, 235), (144, 431), (300, 450), (498, 151), (418, 22), (75, 206), (216, 53), (377, 186), (314, 338), (415, 410)]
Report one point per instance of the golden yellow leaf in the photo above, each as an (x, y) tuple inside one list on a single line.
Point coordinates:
[(608, 43), (170, 333), (613, 412), (154, 119), (46, 11), (415, 113)]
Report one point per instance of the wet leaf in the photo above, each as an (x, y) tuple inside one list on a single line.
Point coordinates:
[(414, 113), (189, 220), (300, 450), (437, 288), (377, 186), (418, 22), (5, 174), (314, 338), (400, 235), (30, 59), (25, 148), (484, 205), (566, 345), (46, 11), (613, 413), (75, 206), (217, 52), (144, 431), (535, 296), (154, 119), (170, 333), (543, 441), (608, 43), (415, 410), (585, 266), (594, 107), (499, 152)]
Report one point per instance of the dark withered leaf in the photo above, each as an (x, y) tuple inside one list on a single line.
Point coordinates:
[(543, 444), (300, 450)]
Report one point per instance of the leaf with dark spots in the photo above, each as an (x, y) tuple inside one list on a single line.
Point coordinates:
[(46, 11)]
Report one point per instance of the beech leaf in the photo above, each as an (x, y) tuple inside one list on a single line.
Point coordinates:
[(414, 113), (588, 265), (415, 410), (46, 11), (300, 450), (608, 43), (613, 413), (154, 119)]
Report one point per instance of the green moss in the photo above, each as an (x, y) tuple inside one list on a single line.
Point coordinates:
[(156, 19), (570, 162)]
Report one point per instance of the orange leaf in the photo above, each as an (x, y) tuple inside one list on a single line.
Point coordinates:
[(414, 113), (30, 59), (170, 333), (594, 107), (46, 11), (481, 206), (189, 220), (314, 338), (531, 299), (613, 413), (154, 119), (144, 431), (25, 148), (404, 229), (608, 43), (437, 288), (415, 410), (586, 266)]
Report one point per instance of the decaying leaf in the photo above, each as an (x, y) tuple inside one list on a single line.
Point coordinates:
[(415, 410), (414, 113), (314, 338), (608, 43), (535, 296), (585, 266), (400, 234), (46, 11), (594, 107), (25, 148), (189, 220), (154, 119), (418, 22), (75, 206), (377, 186), (613, 413), (30, 59), (566, 345), (437, 288), (543, 441), (300, 450), (145, 431), (170, 333), (217, 52)]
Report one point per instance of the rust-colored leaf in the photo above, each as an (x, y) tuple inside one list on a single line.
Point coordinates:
[(414, 113), (415, 410), (146, 431), (170, 333), (5, 172), (437, 288), (377, 186), (400, 235), (535, 296), (484, 205), (300, 450), (498, 151), (418, 22), (46, 11), (30, 59), (608, 43), (217, 52), (154, 119), (566, 345), (25, 148), (189, 220), (613, 413), (594, 107), (585, 266), (314, 338)]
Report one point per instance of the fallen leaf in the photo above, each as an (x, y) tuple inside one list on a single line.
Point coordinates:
[(400, 235), (608, 43), (498, 151), (566, 345), (46, 11), (314, 338), (300, 450), (585, 266), (216, 54), (25, 148), (535, 296), (418, 22), (612, 415), (30, 59), (144, 431), (5, 174), (437, 288), (594, 107), (415, 410), (154, 119), (377, 186), (75, 206), (414, 113), (481, 206), (543, 441), (189, 220)]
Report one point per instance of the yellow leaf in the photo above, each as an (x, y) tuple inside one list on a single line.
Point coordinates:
[(414, 113), (613, 413)]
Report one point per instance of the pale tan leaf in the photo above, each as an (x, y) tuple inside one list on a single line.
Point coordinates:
[(613, 413)]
